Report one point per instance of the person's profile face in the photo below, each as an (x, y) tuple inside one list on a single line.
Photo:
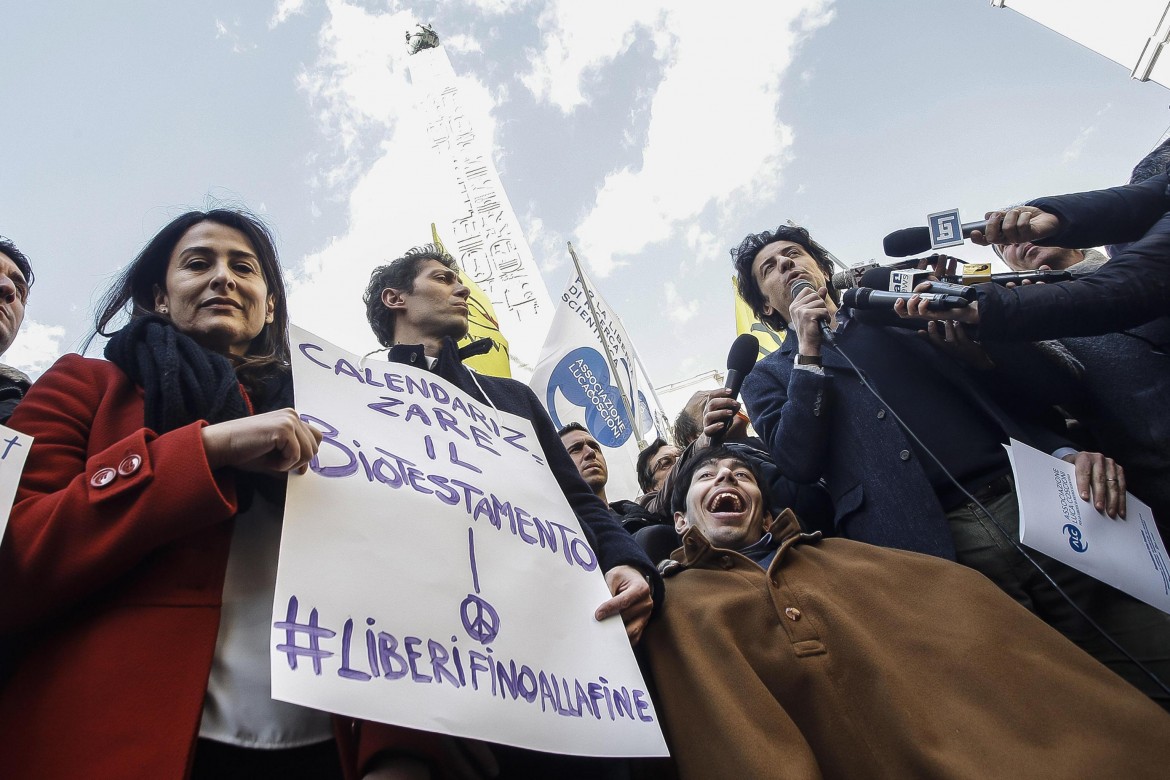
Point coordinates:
[(438, 305)]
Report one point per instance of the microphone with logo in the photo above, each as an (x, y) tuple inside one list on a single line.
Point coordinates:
[(869, 299), (745, 350), (912, 241)]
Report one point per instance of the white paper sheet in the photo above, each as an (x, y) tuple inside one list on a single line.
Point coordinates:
[(1127, 554)]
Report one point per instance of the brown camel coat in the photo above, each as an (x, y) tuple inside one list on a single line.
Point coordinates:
[(849, 661)]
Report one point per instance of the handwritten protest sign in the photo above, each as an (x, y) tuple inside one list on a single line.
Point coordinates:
[(432, 574), (14, 447), (1127, 554)]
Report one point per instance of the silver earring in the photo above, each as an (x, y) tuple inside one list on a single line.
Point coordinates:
[(162, 309)]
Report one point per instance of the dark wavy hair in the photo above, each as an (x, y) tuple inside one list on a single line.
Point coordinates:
[(135, 287), (745, 254), (399, 275), (18, 258), (682, 481)]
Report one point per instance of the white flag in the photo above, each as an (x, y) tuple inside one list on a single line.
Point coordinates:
[(576, 383)]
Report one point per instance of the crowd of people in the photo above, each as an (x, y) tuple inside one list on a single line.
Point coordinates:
[(838, 593)]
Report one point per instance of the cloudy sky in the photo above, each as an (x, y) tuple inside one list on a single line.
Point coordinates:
[(653, 134)]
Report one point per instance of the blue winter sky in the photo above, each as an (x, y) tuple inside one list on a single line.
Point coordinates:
[(654, 135)]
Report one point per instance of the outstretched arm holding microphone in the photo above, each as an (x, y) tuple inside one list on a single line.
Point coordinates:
[(1131, 289)]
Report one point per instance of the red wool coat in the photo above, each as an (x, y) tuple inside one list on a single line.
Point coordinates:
[(111, 574)]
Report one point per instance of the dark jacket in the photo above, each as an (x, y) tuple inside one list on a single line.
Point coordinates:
[(614, 547), (830, 426), (1131, 289), (13, 385)]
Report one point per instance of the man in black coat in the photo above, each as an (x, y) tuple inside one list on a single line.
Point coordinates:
[(417, 307)]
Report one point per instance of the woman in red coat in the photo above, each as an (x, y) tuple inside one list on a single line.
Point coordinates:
[(139, 564)]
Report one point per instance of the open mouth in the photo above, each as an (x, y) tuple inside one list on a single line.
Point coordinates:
[(725, 502)]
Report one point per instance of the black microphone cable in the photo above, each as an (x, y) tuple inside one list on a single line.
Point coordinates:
[(865, 381)]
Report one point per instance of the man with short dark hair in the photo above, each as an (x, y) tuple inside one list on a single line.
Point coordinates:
[(587, 457), (925, 492), (417, 307), (16, 278), (591, 465), (784, 655)]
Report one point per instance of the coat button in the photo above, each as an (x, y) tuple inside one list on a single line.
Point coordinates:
[(129, 465), (102, 477), (792, 613), (726, 562), (904, 454), (881, 414)]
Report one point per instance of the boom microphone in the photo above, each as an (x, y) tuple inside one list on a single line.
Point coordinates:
[(911, 241), (745, 350), (863, 298), (851, 277)]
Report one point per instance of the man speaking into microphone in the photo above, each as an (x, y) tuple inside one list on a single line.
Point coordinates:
[(820, 422)]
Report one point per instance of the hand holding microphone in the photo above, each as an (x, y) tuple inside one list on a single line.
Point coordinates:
[(721, 408), (1015, 226), (809, 315), (1008, 226)]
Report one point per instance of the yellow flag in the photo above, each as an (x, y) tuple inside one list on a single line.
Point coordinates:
[(481, 323), (746, 322)]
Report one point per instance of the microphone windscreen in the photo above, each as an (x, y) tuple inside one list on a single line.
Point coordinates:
[(876, 278), (908, 241), (745, 350)]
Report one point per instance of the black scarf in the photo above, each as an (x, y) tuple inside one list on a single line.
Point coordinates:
[(184, 382)]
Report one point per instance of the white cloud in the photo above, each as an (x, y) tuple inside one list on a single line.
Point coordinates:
[(679, 311), (461, 43), (1073, 151), (36, 347), (548, 246), (497, 7), (364, 101), (232, 35), (714, 136), (285, 9)]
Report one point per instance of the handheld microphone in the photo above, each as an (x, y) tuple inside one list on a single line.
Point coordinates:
[(863, 298), (911, 241), (745, 350), (796, 289), (851, 277)]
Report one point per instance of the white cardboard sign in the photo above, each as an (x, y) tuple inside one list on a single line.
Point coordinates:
[(14, 447), (432, 574)]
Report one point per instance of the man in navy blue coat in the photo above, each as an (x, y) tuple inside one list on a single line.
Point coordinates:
[(894, 489)]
